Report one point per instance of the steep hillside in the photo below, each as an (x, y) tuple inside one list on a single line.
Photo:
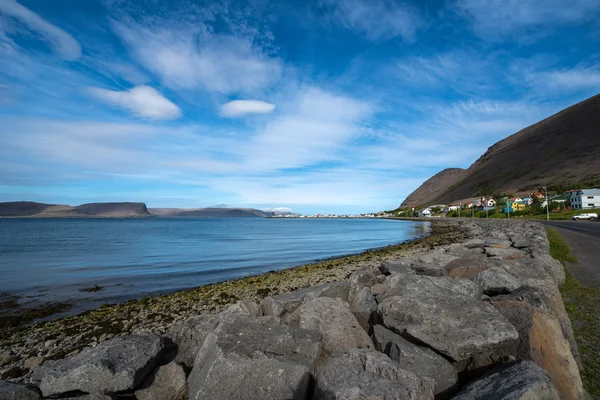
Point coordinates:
[(563, 149), (434, 187), (215, 212)]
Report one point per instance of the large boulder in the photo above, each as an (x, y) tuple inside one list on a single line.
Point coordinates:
[(334, 320), (368, 375), (551, 265), (459, 327), (364, 306), (113, 366), (361, 278), (421, 361), (286, 303), (167, 382), (254, 359), (189, 336), (496, 281), (14, 391), (541, 340), (521, 381), (408, 285)]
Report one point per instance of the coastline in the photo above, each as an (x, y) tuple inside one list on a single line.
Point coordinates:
[(57, 338)]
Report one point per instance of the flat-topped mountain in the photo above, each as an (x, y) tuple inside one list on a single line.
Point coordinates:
[(561, 150), (211, 212), (41, 210)]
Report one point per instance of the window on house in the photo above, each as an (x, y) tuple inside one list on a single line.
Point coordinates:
[(590, 197), (591, 205)]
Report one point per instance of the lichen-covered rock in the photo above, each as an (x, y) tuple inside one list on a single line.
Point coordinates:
[(552, 266), (458, 326), (112, 366), (422, 361), (280, 305), (254, 359), (368, 375), (167, 382), (14, 391), (361, 278), (334, 320), (522, 381), (467, 268), (364, 306), (496, 281)]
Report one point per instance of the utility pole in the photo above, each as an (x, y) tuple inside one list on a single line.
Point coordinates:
[(547, 204)]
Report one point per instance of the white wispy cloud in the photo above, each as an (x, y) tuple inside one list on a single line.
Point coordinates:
[(239, 108), (576, 78), (187, 56), (62, 42), (498, 18), (141, 101), (377, 19)]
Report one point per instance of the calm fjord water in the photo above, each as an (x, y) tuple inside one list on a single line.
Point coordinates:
[(52, 259)]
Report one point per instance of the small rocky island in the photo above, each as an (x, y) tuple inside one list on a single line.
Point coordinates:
[(478, 319)]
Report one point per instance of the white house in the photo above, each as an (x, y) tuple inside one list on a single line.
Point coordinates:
[(586, 199), (425, 213)]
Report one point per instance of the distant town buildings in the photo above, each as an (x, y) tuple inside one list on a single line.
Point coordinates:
[(585, 199)]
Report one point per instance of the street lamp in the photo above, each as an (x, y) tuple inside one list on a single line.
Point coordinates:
[(547, 204)]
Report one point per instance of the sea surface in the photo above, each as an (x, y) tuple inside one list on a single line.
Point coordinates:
[(45, 260)]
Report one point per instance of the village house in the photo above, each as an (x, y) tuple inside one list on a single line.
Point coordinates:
[(586, 199)]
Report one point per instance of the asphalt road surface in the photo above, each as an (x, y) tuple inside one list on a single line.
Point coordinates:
[(584, 238)]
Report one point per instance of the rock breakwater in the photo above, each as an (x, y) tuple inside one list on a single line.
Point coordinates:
[(478, 318)]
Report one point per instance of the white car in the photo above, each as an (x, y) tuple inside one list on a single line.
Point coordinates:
[(585, 216)]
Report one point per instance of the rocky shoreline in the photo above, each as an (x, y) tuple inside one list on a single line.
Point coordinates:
[(472, 311)]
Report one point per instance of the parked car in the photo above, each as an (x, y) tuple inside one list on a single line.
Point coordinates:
[(585, 216)]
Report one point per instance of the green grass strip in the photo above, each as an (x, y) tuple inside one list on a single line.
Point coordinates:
[(583, 306)]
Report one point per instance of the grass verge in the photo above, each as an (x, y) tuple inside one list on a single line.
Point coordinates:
[(583, 306)]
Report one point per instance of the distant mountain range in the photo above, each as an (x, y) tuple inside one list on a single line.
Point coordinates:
[(560, 151), (121, 210)]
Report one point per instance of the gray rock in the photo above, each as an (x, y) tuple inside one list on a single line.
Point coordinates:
[(90, 397), (243, 307), (368, 375), (551, 265), (14, 391), (521, 381), (474, 244), (459, 327), (363, 306), (334, 320), (33, 362), (361, 278), (286, 303), (112, 366), (407, 285), (398, 266), (505, 254), (189, 336), (520, 241), (167, 382), (254, 359), (7, 356), (468, 268), (495, 281), (421, 361)]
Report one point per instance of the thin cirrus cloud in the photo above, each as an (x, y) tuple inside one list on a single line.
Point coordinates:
[(240, 108), (141, 101), (497, 18), (190, 57), (377, 19), (63, 43)]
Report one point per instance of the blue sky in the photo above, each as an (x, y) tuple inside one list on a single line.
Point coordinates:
[(321, 106)]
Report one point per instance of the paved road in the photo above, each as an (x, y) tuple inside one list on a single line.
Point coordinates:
[(584, 238)]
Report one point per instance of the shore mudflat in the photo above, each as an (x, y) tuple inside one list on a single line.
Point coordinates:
[(56, 339)]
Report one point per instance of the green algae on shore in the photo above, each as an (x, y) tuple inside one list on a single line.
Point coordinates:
[(55, 339)]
